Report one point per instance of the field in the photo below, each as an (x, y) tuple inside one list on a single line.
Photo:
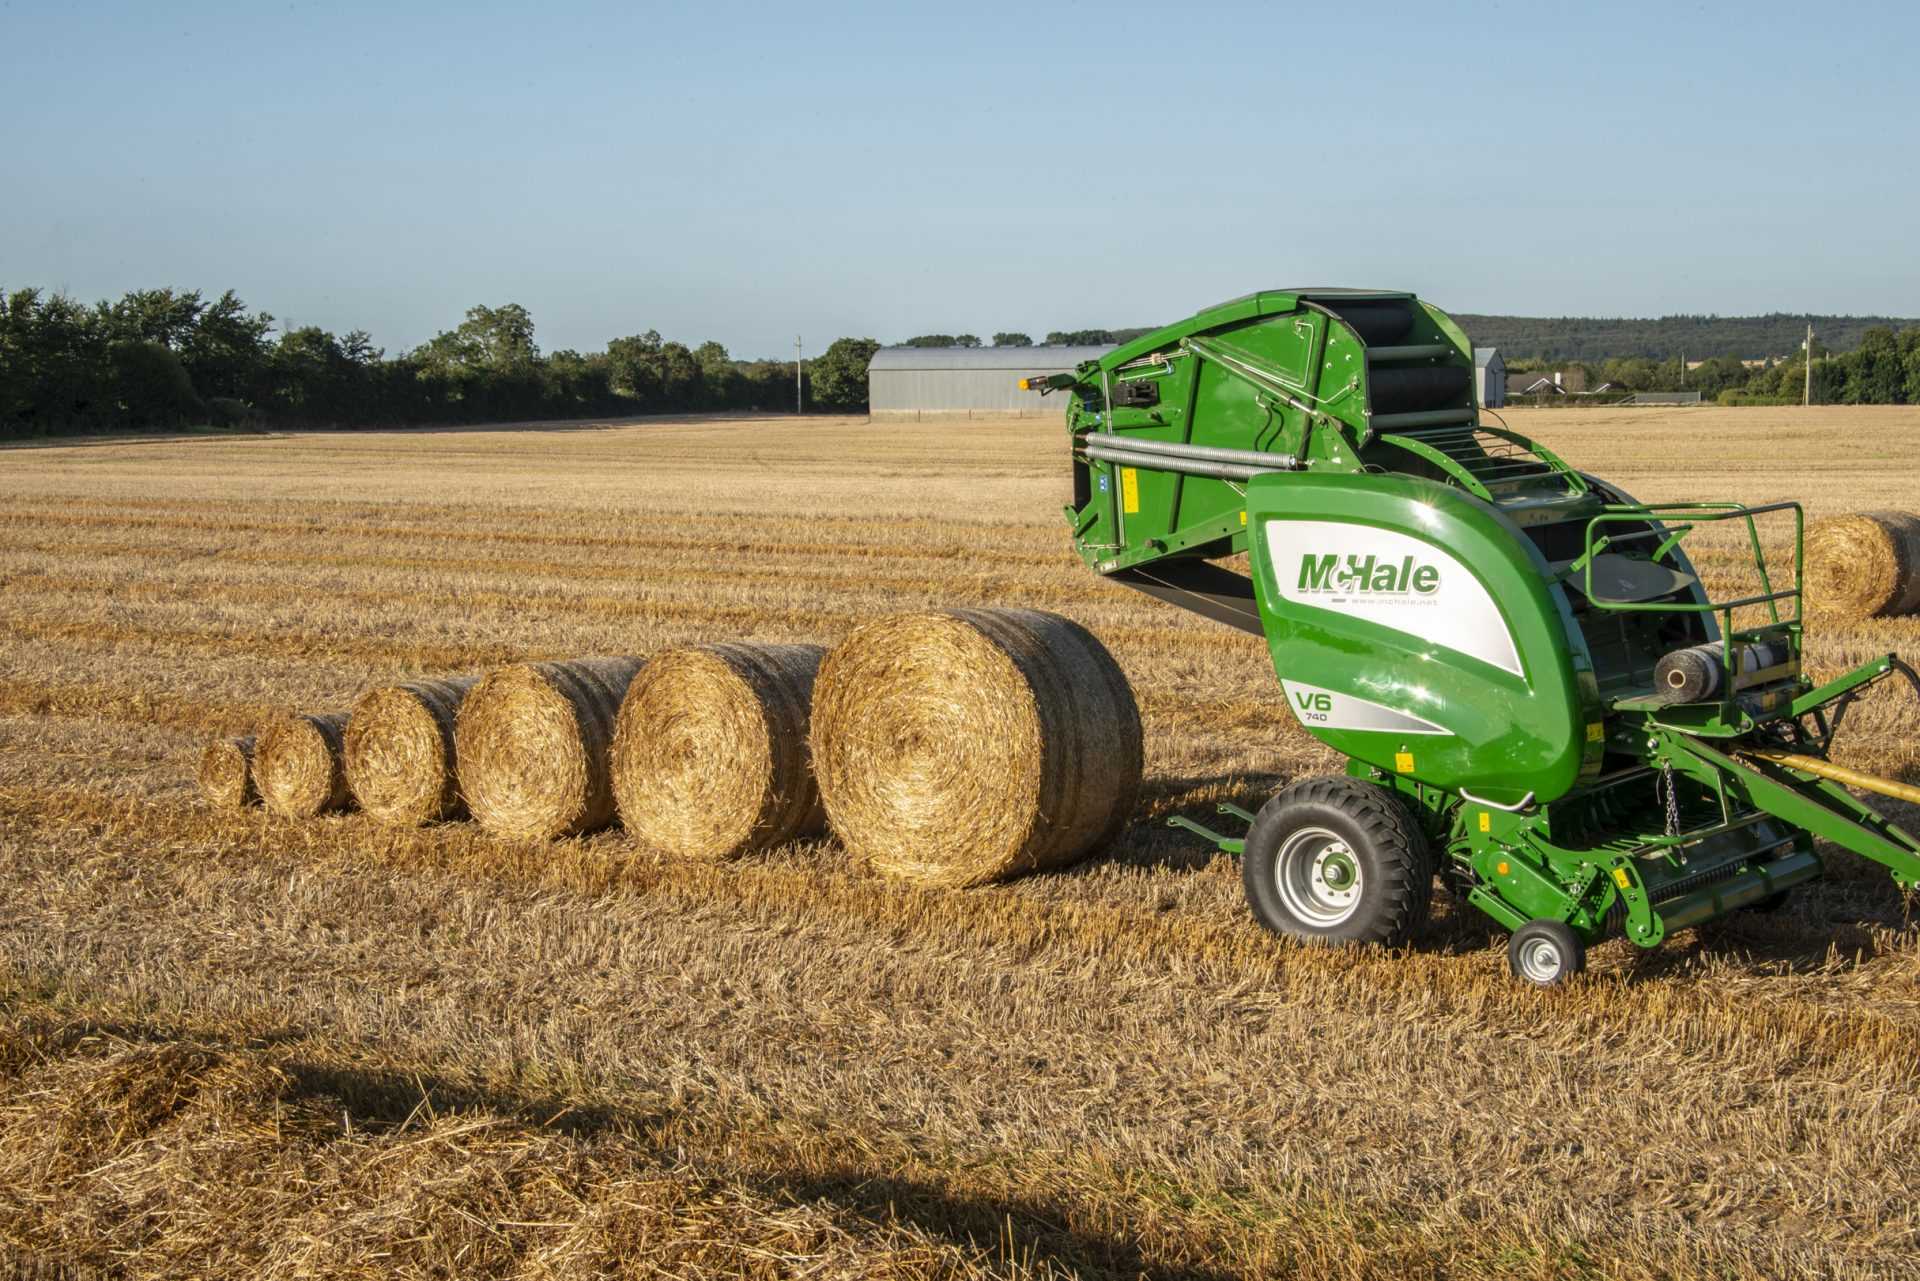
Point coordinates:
[(237, 1045)]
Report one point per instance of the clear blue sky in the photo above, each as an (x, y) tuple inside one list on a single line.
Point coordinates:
[(745, 172)]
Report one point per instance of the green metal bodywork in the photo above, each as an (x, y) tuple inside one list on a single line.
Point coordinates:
[(1471, 621)]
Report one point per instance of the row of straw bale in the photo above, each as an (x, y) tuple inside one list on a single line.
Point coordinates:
[(950, 748)]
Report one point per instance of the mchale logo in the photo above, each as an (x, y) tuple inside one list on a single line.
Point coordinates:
[(1368, 575)]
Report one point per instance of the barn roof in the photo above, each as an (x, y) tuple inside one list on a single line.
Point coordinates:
[(1483, 356), (1028, 359)]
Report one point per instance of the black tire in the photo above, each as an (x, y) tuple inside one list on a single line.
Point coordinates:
[(1546, 953), (1319, 832)]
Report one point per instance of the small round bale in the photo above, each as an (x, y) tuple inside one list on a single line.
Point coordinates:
[(226, 773), (532, 742), (710, 750), (399, 751), (296, 764), (972, 745), (1864, 566)]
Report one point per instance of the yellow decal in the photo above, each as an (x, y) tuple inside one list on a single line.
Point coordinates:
[(1596, 733), (1403, 761), (1486, 821), (1243, 515), (1129, 490), (1501, 868), (1621, 878)]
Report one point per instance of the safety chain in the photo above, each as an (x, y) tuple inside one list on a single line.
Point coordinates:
[(1673, 798)]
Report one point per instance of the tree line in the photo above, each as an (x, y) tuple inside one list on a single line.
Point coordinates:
[(1587, 338), (168, 358), (1056, 338), (1884, 369)]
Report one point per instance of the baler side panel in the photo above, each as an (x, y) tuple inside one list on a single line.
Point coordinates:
[(1450, 667)]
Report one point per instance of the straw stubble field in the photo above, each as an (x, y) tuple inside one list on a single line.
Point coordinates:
[(235, 1043)]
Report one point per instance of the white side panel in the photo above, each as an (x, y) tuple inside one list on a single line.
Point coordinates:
[(1319, 708), (1390, 579)]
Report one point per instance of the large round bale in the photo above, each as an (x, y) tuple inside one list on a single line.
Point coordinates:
[(399, 751), (532, 745), (710, 750), (226, 773), (296, 764), (973, 745), (1864, 566)]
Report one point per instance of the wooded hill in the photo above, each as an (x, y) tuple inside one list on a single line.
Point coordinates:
[(1667, 337)]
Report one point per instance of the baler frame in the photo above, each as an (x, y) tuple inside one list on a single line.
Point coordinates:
[(1662, 814)]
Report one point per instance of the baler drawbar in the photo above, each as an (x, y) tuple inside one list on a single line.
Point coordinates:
[(1539, 701)]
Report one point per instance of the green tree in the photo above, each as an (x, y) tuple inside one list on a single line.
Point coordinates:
[(966, 340), (151, 386), (1909, 344), (489, 338), (155, 315), (936, 340), (1079, 337), (660, 375), (719, 379), (634, 364), (227, 349), (840, 374), (1012, 340), (1874, 372)]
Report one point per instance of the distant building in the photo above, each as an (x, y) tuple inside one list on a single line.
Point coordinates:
[(1539, 382), (1489, 377), (1534, 382), (968, 382)]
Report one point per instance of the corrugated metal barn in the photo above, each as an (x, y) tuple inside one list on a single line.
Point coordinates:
[(1489, 377), (967, 382)]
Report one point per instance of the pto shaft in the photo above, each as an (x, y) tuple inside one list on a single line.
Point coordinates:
[(1841, 774)]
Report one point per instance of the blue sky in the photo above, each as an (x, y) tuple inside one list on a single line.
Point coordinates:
[(749, 172)]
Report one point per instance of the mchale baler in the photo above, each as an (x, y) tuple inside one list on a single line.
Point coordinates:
[(1539, 701)]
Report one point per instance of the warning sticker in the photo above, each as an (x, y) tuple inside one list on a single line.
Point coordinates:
[(1129, 490)]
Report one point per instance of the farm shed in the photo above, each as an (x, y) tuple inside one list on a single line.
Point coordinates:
[(967, 382), (1489, 377)]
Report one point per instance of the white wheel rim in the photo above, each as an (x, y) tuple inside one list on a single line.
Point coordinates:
[(1318, 877), (1540, 959)]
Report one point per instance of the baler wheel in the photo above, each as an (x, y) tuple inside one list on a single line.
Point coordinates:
[(1338, 860), (1545, 953)]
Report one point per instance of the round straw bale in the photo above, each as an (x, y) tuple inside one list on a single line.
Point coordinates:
[(296, 764), (1864, 566), (710, 750), (226, 773), (399, 751), (532, 744), (973, 745)]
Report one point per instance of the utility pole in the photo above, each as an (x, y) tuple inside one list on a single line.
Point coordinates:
[(1806, 397), (796, 375)]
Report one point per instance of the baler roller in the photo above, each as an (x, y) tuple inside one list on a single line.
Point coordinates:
[(1411, 390), (1416, 351), (1424, 418), (1379, 322)]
